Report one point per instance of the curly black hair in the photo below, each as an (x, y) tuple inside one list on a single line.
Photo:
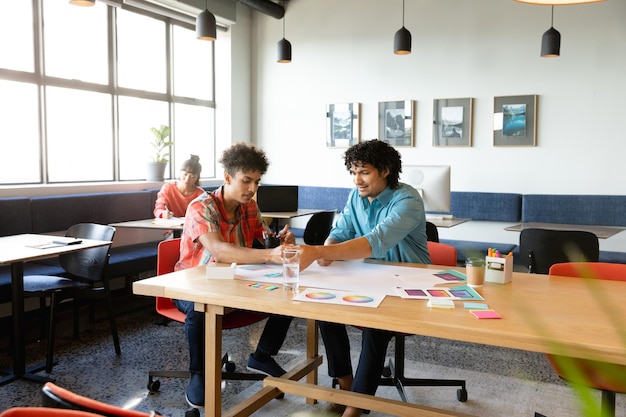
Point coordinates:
[(244, 157), (380, 155)]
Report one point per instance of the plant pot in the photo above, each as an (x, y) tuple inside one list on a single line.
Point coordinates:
[(155, 171)]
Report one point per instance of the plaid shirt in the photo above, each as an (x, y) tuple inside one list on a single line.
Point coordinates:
[(207, 214)]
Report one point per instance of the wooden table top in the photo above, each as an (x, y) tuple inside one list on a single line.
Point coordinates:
[(561, 315)]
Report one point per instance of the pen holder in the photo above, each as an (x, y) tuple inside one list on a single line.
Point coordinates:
[(499, 270)]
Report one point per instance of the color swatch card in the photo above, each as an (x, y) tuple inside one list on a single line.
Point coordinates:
[(451, 275), (352, 298), (462, 292)]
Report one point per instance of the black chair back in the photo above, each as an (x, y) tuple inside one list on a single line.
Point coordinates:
[(544, 248), (432, 234), (89, 264), (318, 227)]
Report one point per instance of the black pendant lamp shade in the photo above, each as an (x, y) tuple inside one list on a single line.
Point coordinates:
[(551, 41), (284, 47), (85, 3), (284, 51), (402, 42), (402, 39), (206, 27)]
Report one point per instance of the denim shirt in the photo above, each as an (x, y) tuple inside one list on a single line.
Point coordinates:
[(394, 224)]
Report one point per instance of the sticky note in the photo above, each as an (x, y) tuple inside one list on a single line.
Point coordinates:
[(485, 314), (476, 306), (440, 303)]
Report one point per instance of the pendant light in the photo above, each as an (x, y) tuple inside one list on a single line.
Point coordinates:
[(402, 39), (84, 3), (206, 27), (558, 2), (551, 41), (284, 46)]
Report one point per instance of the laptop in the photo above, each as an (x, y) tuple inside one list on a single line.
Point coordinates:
[(277, 198)]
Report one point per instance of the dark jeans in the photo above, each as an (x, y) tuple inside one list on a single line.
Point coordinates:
[(269, 344), (371, 361)]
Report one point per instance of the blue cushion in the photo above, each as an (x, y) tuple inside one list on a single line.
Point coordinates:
[(30, 268), (601, 210), (17, 209), (497, 207), (322, 198), (132, 259)]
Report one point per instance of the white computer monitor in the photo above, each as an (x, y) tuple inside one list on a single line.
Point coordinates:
[(432, 182)]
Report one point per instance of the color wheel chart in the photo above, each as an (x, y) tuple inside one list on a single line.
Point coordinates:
[(326, 296)]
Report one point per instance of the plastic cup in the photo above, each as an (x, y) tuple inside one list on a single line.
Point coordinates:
[(475, 272), (291, 269)]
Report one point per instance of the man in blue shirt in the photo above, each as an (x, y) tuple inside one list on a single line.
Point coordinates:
[(383, 219)]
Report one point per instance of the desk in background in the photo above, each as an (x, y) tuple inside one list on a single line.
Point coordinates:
[(14, 251), (285, 215), (174, 224), (603, 232), (539, 314)]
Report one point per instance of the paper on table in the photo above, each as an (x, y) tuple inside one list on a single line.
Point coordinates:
[(172, 221), (352, 298)]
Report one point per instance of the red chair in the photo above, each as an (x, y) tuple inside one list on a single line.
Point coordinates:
[(167, 255), (607, 377), (393, 374), (70, 404)]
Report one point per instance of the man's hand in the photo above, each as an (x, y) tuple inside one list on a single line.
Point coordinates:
[(286, 236)]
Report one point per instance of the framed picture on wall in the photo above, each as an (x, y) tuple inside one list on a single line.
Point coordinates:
[(396, 121), (515, 121), (452, 122), (342, 125)]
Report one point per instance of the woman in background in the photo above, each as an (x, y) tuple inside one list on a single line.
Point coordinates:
[(174, 197)]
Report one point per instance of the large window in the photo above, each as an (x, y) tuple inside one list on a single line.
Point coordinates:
[(79, 94)]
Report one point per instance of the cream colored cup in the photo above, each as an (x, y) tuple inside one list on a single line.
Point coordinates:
[(475, 272)]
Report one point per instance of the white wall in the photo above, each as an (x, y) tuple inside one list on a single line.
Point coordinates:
[(342, 52)]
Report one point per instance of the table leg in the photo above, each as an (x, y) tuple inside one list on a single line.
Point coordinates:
[(312, 342), (19, 342), (213, 361)]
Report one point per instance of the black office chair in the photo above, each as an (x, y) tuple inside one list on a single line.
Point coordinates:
[(432, 234), (318, 227), (544, 248), (393, 373), (85, 277)]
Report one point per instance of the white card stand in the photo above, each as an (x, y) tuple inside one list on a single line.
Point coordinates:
[(220, 272), (499, 270)]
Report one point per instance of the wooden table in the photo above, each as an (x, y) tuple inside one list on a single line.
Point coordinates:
[(14, 251), (174, 224), (560, 315)]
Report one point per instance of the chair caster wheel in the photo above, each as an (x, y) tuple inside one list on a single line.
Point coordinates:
[(386, 372), (230, 366), (153, 385), (194, 412), (461, 395)]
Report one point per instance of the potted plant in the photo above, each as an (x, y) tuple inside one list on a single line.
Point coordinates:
[(160, 158)]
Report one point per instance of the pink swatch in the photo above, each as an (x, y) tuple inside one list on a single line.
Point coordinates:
[(485, 314)]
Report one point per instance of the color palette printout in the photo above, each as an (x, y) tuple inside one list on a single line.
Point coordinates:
[(462, 292), (326, 296)]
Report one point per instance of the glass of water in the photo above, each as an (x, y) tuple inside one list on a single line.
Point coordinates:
[(291, 268)]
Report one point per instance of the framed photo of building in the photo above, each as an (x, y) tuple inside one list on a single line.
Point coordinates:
[(396, 122), (342, 125), (515, 121), (452, 122)]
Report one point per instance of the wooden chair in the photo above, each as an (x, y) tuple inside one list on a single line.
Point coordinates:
[(609, 378), (167, 255), (545, 247), (393, 374), (85, 277)]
